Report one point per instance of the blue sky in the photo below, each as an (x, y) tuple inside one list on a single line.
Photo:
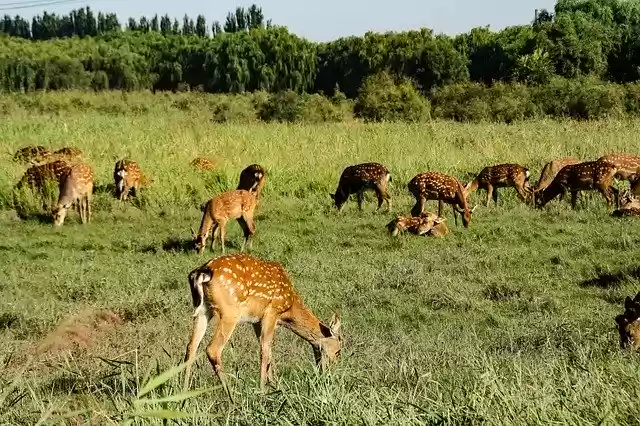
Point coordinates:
[(330, 19)]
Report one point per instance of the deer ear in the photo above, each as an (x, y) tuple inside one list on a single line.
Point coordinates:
[(335, 323)]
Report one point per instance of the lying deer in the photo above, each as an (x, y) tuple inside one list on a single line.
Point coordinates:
[(626, 164), (360, 177), (550, 170), (75, 187), (237, 204), (589, 175), (128, 177), (240, 288), (446, 189), (202, 163), (426, 224), (31, 154), (252, 179), (629, 323), (629, 206), (501, 176)]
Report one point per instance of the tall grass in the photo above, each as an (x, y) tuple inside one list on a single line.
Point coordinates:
[(508, 322)]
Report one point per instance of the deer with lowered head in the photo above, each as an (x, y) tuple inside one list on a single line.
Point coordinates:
[(501, 176), (239, 205), (75, 187), (590, 175), (252, 179), (629, 323), (444, 188), (128, 178), (240, 288), (357, 179), (550, 170)]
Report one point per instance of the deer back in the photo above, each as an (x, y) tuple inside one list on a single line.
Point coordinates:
[(231, 204), (585, 175), (77, 182), (626, 162), (37, 176)]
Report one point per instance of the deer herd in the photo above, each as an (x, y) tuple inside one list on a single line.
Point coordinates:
[(240, 288)]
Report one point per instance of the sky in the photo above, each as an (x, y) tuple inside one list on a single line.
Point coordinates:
[(321, 20)]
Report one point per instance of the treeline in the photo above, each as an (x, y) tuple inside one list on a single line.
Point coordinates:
[(598, 39)]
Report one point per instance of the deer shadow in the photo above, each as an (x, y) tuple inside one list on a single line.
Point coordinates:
[(40, 217), (172, 245), (107, 188), (611, 280)]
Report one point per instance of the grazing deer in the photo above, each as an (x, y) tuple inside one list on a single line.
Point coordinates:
[(446, 189), (589, 175), (240, 288), (550, 170), (626, 164), (202, 163), (358, 178), (75, 187), (252, 179), (629, 206), (501, 176), (37, 176), (128, 177), (238, 204), (420, 225), (629, 323), (31, 154)]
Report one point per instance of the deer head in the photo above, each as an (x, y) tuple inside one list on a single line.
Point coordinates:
[(629, 323)]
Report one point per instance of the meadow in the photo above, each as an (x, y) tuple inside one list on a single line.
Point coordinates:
[(508, 322)]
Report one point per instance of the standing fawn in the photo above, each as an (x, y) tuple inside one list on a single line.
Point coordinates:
[(252, 179), (238, 204), (626, 164), (446, 189), (589, 175), (501, 176), (128, 177), (629, 323), (75, 187), (240, 288), (360, 177), (550, 170)]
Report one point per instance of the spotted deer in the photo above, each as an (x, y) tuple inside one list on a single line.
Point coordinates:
[(590, 175), (202, 163), (239, 205), (634, 181), (128, 178), (629, 323), (75, 187), (252, 179), (550, 170), (357, 179), (68, 153), (418, 225), (626, 164), (501, 176), (36, 177), (629, 205), (240, 288), (444, 188), (31, 154)]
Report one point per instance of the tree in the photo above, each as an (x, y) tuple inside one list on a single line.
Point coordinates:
[(132, 25), (216, 29), (176, 27), (154, 23), (165, 25), (201, 26)]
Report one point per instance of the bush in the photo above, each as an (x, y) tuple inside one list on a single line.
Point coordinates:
[(282, 106), (234, 109), (382, 99)]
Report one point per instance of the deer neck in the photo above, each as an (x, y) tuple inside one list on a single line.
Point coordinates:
[(300, 320)]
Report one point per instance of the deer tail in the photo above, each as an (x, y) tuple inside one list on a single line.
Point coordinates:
[(197, 279)]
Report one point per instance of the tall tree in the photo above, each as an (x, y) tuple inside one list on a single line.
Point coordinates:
[(154, 23), (216, 29), (201, 26), (165, 25)]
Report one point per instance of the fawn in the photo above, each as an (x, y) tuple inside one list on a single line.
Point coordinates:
[(629, 205), (446, 189), (252, 179), (241, 288), (31, 154), (238, 204), (128, 177), (629, 323), (75, 187), (626, 164), (550, 170), (202, 163), (579, 177), (426, 224), (360, 177), (37, 176), (501, 176)]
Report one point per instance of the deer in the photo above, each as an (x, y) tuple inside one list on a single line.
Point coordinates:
[(252, 179), (128, 177), (37, 176), (68, 153), (444, 188), (629, 323), (202, 163), (420, 225), (358, 178), (626, 164), (31, 154), (501, 176), (75, 187), (240, 288), (629, 205), (550, 170), (588, 175), (238, 204)]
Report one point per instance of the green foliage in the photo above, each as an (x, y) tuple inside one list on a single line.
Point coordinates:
[(383, 99)]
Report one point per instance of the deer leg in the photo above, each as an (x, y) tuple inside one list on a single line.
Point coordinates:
[(199, 329), (455, 214), (616, 194), (380, 196), (224, 329), (418, 207), (522, 193), (222, 231), (440, 206), (360, 196), (246, 223), (606, 193), (216, 232), (574, 199), (88, 201), (267, 331), (489, 194)]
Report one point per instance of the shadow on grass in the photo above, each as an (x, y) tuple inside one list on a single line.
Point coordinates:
[(108, 188), (172, 245), (611, 280), (40, 217)]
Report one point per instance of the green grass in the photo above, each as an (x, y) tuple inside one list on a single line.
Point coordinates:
[(507, 322)]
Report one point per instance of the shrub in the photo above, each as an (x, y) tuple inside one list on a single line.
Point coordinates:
[(234, 109), (282, 106), (382, 99)]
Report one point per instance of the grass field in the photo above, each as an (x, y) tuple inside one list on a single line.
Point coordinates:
[(507, 322)]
